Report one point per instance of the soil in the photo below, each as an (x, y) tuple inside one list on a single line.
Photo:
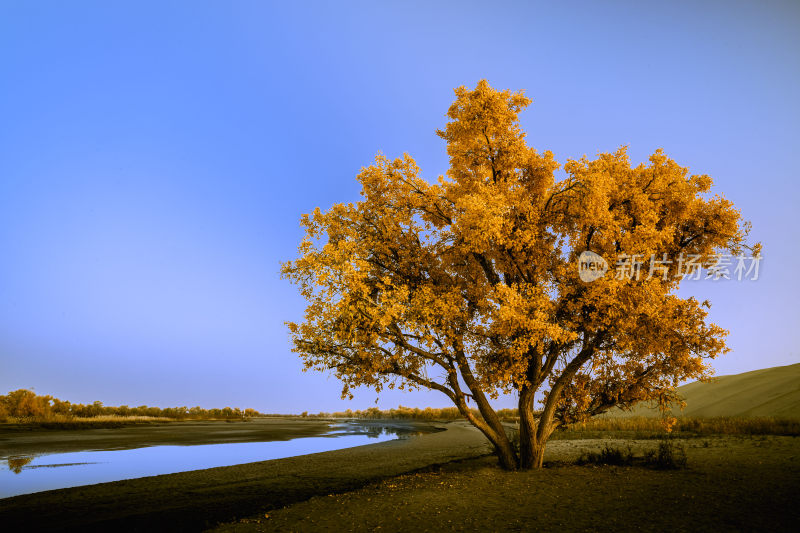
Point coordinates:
[(731, 484)]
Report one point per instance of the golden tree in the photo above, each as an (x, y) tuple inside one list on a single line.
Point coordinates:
[(471, 286)]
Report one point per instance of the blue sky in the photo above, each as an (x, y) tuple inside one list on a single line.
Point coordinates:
[(155, 158)]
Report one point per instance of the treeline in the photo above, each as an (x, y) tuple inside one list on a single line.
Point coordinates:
[(25, 405), (409, 413)]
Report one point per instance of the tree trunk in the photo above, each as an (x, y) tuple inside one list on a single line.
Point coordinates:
[(537, 456), (506, 456), (502, 444), (490, 425), (527, 429), (533, 435), (496, 436)]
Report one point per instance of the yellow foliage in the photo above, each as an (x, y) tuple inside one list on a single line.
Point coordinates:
[(469, 285)]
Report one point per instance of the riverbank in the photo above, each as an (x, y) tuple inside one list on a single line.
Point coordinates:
[(22, 440), (191, 501)]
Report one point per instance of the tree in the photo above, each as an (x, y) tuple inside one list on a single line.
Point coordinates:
[(24, 403), (470, 286)]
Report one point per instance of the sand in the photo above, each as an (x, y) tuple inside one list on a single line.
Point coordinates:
[(766, 392)]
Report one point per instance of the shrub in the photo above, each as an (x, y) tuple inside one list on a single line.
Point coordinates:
[(669, 456), (608, 456)]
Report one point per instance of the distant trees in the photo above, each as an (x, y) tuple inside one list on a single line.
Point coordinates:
[(411, 413), (26, 405)]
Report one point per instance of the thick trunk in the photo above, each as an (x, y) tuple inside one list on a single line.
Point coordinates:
[(527, 428), (536, 457), (490, 424), (502, 444), (531, 448), (500, 441), (506, 456), (533, 433), (531, 445)]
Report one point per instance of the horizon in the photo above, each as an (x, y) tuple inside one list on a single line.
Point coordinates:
[(335, 412), (155, 166)]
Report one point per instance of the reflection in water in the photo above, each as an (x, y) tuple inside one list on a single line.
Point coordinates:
[(382, 427), (34, 473), (15, 464), (18, 463), (377, 429)]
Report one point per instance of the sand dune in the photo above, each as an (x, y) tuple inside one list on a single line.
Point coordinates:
[(766, 392)]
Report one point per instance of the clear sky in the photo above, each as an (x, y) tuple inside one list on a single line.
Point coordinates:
[(155, 158)]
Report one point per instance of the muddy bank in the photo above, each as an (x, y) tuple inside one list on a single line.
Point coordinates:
[(191, 501), (19, 440)]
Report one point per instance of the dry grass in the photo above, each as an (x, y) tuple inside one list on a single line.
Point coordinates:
[(647, 427), (70, 422)]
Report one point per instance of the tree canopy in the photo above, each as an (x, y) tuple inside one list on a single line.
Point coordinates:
[(470, 285)]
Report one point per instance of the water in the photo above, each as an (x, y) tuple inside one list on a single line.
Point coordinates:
[(33, 473)]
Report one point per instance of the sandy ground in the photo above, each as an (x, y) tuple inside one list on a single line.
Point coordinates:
[(192, 501), (732, 484)]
